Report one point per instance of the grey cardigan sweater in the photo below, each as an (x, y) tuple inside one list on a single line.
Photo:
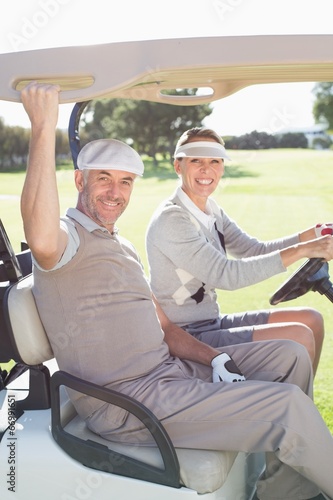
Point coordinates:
[(187, 261)]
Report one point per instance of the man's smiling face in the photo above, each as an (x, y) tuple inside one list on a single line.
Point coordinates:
[(104, 194)]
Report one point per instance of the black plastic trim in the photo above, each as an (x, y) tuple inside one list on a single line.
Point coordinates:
[(73, 130), (97, 456)]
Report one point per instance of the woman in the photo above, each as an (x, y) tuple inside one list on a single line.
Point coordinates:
[(189, 240)]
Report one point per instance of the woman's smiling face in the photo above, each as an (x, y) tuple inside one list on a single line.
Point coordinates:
[(199, 176)]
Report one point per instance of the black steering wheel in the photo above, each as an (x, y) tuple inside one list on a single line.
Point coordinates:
[(312, 275)]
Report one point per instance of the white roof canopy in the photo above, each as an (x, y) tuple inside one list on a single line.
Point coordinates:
[(143, 70)]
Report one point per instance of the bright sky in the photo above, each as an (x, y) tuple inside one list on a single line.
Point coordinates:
[(34, 24)]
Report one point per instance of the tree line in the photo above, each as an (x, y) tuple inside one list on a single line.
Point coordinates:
[(153, 128), (14, 146)]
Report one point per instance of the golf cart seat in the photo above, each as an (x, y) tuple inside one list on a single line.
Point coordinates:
[(23, 339)]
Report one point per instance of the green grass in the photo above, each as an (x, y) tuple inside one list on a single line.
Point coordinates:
[(269, 193)]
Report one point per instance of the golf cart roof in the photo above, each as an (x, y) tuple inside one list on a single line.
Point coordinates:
[(143, 70)]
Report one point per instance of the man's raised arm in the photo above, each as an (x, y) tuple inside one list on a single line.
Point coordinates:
[(40, 201)]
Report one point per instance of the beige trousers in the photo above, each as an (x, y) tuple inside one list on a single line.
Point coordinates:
[(271, 412)]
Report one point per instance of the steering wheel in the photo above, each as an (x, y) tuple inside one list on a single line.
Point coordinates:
[(312, 275)]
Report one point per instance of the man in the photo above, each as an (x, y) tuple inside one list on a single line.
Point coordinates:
[(194, 248), (104, 326)]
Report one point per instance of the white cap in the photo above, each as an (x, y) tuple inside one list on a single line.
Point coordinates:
[(110, 154), (201, 149)]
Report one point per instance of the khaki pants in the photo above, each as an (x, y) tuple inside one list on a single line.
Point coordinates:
[(271, 412)]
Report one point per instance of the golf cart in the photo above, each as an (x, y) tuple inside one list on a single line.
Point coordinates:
[(46, 450)]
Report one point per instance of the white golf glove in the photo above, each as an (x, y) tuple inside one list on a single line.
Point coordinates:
[(225, 369), (322, 229)]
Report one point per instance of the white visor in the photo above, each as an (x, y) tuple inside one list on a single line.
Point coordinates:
[(201, 149)]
